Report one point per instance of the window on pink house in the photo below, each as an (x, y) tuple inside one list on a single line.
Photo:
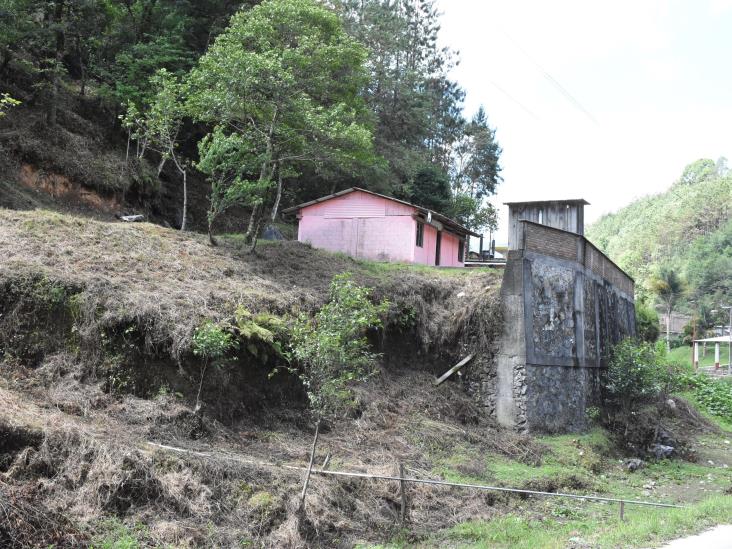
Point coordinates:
[(420, 234), (461, 251)]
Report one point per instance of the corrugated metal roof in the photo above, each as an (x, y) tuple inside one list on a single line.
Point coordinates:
[(718, 339), (569, 201), (451, 223)]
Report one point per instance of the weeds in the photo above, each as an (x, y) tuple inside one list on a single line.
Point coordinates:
[(713, 395)]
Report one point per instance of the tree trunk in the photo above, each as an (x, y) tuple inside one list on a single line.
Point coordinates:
[(255, 235), (82, 66), (265, 173), (668, 328), (200, 386), (252, 222), (185, 201), (211, 238), (162, 165), (52, 114), (278, 197)]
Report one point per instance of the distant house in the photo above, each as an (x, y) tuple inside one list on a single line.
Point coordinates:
[(369, 225), (678, 322)]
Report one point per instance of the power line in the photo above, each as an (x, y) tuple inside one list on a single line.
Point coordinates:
[(553, 81), (512, 98)]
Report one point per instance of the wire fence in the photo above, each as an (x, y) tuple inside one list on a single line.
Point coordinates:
[(404, 480)]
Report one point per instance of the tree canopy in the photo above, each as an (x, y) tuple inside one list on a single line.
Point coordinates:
[(281, 84), (355, 92), (687, 229)]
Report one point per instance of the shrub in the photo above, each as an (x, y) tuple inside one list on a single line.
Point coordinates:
[(211, 341), (331, 349), (647, 324), (635, 373)]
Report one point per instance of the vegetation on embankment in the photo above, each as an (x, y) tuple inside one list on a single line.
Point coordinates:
[(106, 332), (87, 304), (687, 228)]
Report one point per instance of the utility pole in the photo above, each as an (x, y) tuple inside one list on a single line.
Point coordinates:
[(694, 351), (729, 348)]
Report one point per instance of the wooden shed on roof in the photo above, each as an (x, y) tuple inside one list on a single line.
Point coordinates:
[(568, 215)]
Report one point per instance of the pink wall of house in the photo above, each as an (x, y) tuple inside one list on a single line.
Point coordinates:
[(372, 227)]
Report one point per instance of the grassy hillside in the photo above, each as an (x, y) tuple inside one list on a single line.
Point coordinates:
[(688, 227)]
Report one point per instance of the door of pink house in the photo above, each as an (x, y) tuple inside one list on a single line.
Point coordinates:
[(438, 245)]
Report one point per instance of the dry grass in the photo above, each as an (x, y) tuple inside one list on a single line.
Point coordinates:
[(169, 281), (99, 465), (85, 449)]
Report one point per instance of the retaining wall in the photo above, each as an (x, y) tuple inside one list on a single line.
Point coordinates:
[(565, 305)]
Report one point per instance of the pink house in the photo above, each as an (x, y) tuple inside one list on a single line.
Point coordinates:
[(368, 225)]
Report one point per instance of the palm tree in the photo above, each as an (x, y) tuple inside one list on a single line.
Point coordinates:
[(669, 287)]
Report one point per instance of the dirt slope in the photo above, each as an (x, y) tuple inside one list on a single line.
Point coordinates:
[(96, 319)]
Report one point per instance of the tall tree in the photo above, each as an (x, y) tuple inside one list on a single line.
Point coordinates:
[(282, 86), (477, 167), (417, 108), (159, 127), (476, 174), (431, 189), (669, 288)]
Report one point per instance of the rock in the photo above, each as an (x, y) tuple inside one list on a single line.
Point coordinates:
[(671, 403), (271, 232), (661, 451), (634, 464)]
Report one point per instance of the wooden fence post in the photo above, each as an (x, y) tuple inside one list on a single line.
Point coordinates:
[(403, 491), (310, 467)]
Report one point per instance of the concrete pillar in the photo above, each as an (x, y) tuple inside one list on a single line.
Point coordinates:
[(716, 355), (696, 355)]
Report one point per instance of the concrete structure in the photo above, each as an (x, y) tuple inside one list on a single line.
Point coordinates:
[(568, 215), (678, 322), (564, 305), (719, 340), (368, 225)]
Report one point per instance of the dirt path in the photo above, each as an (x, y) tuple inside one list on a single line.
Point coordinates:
[(719, 537)]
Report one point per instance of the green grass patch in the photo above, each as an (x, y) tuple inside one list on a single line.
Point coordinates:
[(600, 528), (582, 464), (577, 454), (381, 268), (114, 534), (682, 355)]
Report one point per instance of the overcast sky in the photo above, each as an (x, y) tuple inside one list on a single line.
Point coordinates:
[(606, 101)]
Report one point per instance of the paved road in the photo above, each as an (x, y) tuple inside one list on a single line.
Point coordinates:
[(716, 538)]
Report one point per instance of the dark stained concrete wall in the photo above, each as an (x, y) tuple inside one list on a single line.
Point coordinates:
[(565, 305)]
